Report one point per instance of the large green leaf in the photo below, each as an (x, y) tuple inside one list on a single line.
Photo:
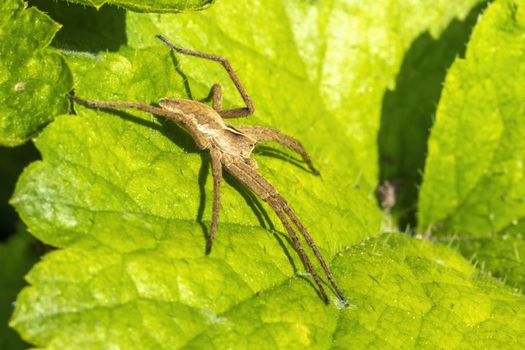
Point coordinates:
[(33, 78), (149, 5), (143, 165), (474, 188), (163, 293), (349, 52), (126, 195)]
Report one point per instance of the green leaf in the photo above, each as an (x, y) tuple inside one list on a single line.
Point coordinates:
[(33, 78), (149, 5), (154, 167), (405, 294), (474, 188), (131, 182), (349, 72), (126, 196), (16, 257)]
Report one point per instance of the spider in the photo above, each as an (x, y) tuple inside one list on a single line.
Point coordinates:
[(230, 148)]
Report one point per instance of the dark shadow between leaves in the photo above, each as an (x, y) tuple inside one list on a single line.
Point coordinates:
[(23, 251), (408, 112), (85, 28), (12, 162)]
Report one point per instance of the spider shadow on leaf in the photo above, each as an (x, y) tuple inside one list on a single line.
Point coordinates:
[(170, 130), (267, 151), (185, 81)]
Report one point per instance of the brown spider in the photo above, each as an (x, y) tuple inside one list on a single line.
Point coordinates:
[(230, 148)]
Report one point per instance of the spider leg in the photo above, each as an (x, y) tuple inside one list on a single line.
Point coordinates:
[(228, 113), (178, 118), (260, 186), (311, 243), (216, 167), (264, 133), (298, 247)]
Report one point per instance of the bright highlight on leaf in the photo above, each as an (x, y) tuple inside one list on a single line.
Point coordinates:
[(474, 184), (33, 78)]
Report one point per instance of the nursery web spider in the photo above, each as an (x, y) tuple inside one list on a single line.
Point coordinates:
[(230, 148)]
